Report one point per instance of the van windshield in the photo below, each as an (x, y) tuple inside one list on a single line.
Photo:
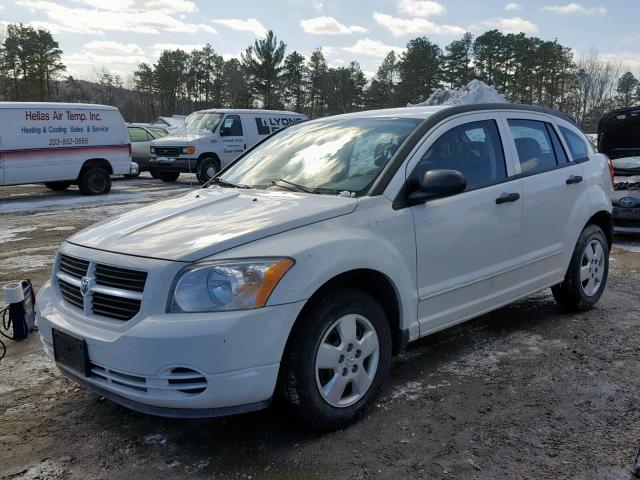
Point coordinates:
[(325, 156), (202, 121)]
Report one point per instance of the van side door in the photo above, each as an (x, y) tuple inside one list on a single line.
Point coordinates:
[(468, 245), (552, 184), (231, 139)]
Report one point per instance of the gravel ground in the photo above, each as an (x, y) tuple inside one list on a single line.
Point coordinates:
[(523, 392)]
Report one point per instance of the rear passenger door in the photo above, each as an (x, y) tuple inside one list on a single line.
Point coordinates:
[(552, 184), (468, 245)]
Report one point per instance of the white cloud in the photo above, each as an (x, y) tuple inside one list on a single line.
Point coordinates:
[(415, 26), (420, 8), (95, 59), (113, 47), (95, 21), (249, 25), (372, 48), (508, 25), (575, 8), (629, 60), (329, 26), (512, 7), (165, 6)]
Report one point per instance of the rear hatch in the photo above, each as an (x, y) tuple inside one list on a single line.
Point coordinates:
[(619, 133)]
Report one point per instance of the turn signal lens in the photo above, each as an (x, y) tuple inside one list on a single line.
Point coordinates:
[(191, 150), (272, 276)]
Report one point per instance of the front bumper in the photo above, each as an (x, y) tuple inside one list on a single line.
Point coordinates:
[(178, 164), (178, 365), (626, 220)]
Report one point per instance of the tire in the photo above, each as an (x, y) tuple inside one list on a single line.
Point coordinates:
[(314, 393), (587, 274), (94, 181), (155, 173), (206, 169), (58, 186), (169, 176)]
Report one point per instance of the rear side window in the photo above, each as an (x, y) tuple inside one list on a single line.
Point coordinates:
[(534, 145), (474, 149), (557, 145), (138, 135), (577, 146)]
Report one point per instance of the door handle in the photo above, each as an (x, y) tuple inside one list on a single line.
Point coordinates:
[(574, 179), (508, 197)]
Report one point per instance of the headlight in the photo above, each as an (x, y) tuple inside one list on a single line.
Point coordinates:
[(227, 285), (190, 150), (152, 149)]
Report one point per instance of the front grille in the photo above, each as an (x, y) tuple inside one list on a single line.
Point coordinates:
[(114, 292), (73, 266), (120, 277), (627, 222), (168, 151), (114, 307), (71, 294)]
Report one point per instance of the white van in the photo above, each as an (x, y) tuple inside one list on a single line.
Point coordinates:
[(63, 143), (211, 139)]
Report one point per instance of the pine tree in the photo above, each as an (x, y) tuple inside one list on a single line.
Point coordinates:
[(458, 68), (382, 91), (263, 63), (316, 82), (294, 80), (627, 89), (420, 71)]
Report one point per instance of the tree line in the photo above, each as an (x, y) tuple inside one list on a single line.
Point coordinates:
[(525, 69)]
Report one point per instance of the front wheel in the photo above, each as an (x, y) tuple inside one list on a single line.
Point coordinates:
[(94, 181), (337, 360), (587, 274), (155, 173), (206, 169)]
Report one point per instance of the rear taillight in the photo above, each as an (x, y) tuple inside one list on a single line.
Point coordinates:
[(129, 149), (611, 172)]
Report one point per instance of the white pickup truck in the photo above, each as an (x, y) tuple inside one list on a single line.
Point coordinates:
[(63, 143)]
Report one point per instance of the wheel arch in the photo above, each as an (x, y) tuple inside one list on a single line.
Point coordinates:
[(213, 155), (604, 220), (96, 162), (379, 286)]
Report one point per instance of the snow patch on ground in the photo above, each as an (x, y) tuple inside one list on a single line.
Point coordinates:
[(476, 91), (62, 203), (60, 229), (154, 439), (629, 246), (25, 263), (10, 234)]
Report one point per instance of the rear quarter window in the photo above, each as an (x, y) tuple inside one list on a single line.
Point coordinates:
[(578, 148)]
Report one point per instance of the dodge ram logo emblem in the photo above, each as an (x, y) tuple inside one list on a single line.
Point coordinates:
[(627, 202), (84, 286)]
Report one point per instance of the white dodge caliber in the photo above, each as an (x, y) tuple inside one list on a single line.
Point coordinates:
[(301, 268)]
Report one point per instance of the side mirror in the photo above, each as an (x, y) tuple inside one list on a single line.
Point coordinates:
[(437, 184), (225, 131)]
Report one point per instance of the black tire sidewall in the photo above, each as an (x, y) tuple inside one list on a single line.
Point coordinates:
[(201, 170), (58, 186), (85, 181), (570, 293), (169, 176), (314, 409), (155, 173)]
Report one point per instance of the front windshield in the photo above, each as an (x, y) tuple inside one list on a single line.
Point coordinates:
[(325, 156), (202, 121)]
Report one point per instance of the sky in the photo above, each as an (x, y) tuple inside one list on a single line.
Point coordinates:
[(119, 34)]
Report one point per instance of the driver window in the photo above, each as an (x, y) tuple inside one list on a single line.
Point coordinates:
[(231, 126), (474, 149)]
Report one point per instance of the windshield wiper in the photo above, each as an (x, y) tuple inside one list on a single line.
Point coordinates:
[(224, 183), (296, 187)]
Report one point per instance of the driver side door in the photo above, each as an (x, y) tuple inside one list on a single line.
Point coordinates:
[(468, 245)]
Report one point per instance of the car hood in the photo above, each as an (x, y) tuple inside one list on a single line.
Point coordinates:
[(181, 137), (208, 221)]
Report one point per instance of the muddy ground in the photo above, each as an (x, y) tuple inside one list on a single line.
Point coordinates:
[(524, 392)]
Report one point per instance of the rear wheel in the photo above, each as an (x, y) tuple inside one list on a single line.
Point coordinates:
[(169, 176), (337, 360), (57, 186), (94, 181), (206, 169), (587, 274)]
